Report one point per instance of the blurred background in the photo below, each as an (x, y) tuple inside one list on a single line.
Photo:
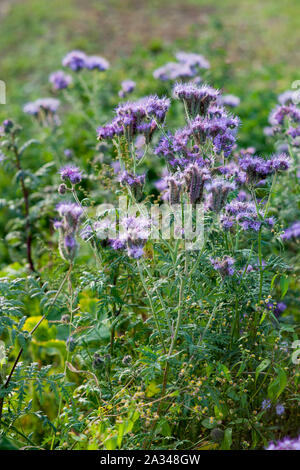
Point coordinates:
[(254, 45)]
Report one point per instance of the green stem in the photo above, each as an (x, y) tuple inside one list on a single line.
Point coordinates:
[(151, 306)]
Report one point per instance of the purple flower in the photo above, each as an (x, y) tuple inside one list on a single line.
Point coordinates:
[(287, 97), (231, 101), (223, 265), (93, 62), (278, 114), (256, 168), (134, 232), (227, 222), (135, 182), (292, 232), (71, 173), (196, 98), (280, 162), (195, 178), (286, 444), (134, 118), (42, 105), (174, 71), (67, 227), (279, 409), (75, 60), (127, 86), (60, 80), (266, 404), (174, 191), (192, 59), (71, 212), (218, 191)]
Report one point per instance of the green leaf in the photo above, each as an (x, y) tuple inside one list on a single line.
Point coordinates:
[(284, 285), (227, 440), (262, 366)]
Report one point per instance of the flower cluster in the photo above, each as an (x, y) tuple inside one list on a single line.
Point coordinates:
[(187, 67), (42, 106), (78, 60), (257, 168), (135, 183), (195, 98), (217, 128), (292, 232), (67, 227), (218, 191), (60, 80), (71, 173), (286, 444), (127, 87), (134, 233), (135, 118), (224, 266)]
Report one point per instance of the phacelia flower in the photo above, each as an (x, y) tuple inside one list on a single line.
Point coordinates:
[(42, 105), (135, 182), (195, 178), (292, 232), (60, 80), (280, 162), (193, 60), (75, 60), (134, 233), (218, 191), (231, 101), (285, 444), (196, 98), (127, 86), (223, 265), (174, 71), (71, 173), (93, 62), (67, 227), (138, 117), (279, 409), (256, 168), (266, 404), (288, 97)]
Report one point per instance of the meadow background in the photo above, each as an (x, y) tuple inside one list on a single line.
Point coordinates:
[(253, 49)]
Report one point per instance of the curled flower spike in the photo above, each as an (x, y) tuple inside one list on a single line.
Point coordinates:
[(193, 60), (136, 118), (67, 227), (256, 168), (280, 162), (174, 71), (195, 178), (174, 192), (196, 98), (218, 191)]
